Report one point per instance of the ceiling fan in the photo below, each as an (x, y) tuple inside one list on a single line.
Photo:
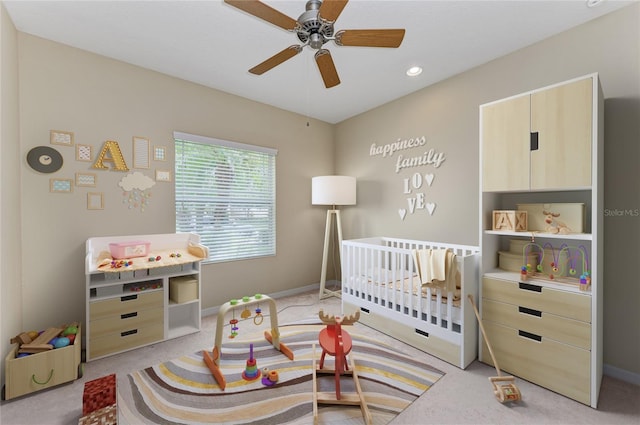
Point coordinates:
[(314, 28)]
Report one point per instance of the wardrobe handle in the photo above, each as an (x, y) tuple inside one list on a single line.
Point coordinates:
[(129, 315), (530, 287), (534, 141), (530, 335), (129, 298), (529, 311), (127, 333)]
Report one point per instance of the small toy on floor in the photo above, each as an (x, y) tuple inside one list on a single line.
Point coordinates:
[(251, 372), (504, 387)]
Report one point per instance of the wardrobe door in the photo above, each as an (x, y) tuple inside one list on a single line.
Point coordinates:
[(505, 148), (562, 118)]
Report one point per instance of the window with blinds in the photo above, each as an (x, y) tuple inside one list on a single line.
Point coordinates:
[(226, 193)]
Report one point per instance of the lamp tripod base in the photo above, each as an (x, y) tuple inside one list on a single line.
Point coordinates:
[(324, 292)]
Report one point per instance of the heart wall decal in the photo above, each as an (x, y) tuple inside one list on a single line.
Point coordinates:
[(429, 178), (430, 207), (403, 213)]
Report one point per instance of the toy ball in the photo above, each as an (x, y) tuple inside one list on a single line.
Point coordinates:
[(53, 341), (33, 334), (63, 341), (70, 330), (22, 355), (72, 337)]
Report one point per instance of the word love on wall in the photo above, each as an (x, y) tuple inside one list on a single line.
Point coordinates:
[(417, 201), (416, 185)]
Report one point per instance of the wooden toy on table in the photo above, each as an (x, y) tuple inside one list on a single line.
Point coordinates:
[(212, 358)]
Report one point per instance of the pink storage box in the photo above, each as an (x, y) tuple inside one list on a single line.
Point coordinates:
[(129, 249)]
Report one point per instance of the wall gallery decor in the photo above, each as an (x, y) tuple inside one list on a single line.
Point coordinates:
[(83, 153), (159, 153), (58, 137), (135, 188), (44, 159), (111, 153), (86, 179), (95, 201), (141, 149), (163, 175), (136, 185), (60, 185)]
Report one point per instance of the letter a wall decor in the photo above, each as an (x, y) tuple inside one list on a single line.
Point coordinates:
[(111, 153)]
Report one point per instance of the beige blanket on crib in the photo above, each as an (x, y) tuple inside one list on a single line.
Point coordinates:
[(436, 268)]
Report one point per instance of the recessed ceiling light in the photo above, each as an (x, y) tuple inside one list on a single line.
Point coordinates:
[(594, 3), (414, 71)]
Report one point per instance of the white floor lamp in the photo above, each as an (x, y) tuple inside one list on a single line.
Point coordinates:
[(332, 190)]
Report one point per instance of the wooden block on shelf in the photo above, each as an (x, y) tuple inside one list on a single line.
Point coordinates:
[(510, 220)]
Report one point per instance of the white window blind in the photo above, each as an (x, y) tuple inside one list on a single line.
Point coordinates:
[(225, 192)]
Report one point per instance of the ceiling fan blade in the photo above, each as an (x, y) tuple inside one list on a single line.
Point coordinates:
[(331, 9), (276, 60), (327, 68), (262, 11), (370, 38)]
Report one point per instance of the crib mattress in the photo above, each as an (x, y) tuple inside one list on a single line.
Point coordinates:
[(378, 289)]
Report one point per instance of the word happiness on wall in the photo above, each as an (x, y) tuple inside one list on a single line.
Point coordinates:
[(416, 184)]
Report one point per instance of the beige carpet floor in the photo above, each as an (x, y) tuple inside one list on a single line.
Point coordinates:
[(460, 397)]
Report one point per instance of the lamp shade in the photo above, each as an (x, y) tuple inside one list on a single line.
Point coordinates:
[(333, 190)]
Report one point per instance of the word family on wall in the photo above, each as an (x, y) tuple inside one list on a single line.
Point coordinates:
[(415, 155)]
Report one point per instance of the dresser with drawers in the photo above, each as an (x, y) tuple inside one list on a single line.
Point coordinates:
[(133, 305)]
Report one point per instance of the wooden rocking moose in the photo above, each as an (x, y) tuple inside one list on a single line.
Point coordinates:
[(337, 342)]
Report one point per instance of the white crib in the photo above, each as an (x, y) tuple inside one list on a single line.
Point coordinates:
[(379, 278)]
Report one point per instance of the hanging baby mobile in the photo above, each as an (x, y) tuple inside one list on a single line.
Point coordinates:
[(416, 186)]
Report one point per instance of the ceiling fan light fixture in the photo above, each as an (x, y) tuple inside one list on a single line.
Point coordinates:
[(315, 27), (414, 71)]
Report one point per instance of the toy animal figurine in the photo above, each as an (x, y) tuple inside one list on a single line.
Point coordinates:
[(554, 225)]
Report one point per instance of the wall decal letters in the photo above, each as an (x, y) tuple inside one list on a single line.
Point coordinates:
[(111, 153)]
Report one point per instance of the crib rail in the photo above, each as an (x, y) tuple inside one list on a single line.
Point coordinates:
[(381, 271)]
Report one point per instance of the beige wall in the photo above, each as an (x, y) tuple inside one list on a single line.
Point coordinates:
[(447, 115), (101, 99), (10, 242)]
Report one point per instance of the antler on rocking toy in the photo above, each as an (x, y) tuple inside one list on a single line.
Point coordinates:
[(343, 320)]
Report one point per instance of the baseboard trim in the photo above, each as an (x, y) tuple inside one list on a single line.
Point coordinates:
[(214, 310), (621, 374)]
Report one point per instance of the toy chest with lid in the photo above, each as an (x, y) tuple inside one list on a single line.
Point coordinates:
[(47, 369)]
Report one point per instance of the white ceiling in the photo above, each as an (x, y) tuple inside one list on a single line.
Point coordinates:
[(214, 44)]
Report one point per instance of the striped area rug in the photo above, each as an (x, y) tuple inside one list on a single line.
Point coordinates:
[(183, 391)]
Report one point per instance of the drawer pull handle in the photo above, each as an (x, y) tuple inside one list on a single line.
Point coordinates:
[(530, 311), (129, 315), (33, 378), (129, 298), (530, 335), (423, 333), (530, 287), (127, 333)]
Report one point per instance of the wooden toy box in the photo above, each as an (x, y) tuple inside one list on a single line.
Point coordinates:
[(36, 372)]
